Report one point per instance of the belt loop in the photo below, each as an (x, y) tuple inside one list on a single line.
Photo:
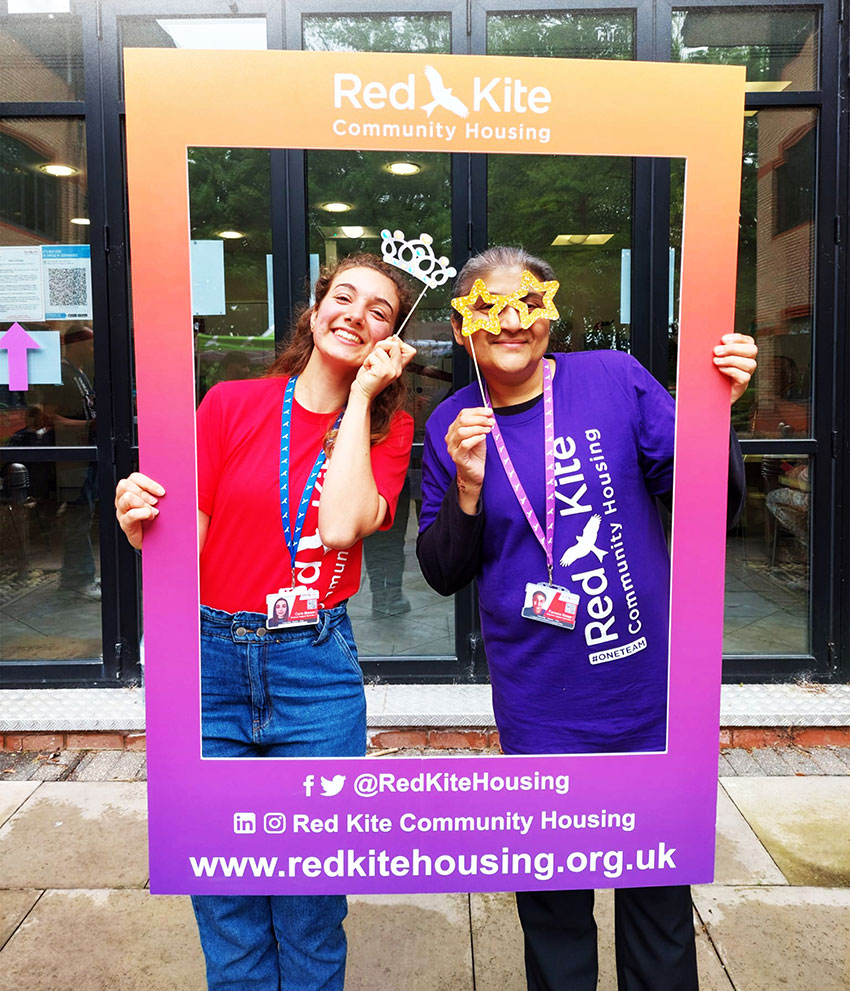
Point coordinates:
[(323, 631)]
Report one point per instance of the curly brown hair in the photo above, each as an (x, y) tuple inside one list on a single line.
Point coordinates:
[(295, 355)]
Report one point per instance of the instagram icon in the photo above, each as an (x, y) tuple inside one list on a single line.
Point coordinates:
[(274, 822)]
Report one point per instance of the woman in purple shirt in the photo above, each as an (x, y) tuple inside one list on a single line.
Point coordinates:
[(608, 427)]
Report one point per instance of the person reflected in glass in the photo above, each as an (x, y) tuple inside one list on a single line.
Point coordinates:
[(612, 453), (71, 407), (336, 389)]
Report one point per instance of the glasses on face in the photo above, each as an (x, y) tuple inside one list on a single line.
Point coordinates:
[(480, 309)]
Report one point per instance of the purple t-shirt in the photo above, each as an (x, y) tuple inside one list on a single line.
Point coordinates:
[(602, 686)]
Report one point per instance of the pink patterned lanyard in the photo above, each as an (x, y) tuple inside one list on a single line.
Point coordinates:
[(547, 542)]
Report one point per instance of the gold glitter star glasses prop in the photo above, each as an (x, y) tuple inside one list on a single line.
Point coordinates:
[(486, 317)]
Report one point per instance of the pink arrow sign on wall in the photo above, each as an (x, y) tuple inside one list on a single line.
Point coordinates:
[(17, 343)]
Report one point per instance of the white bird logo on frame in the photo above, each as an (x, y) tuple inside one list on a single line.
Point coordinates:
[(443, 96), (585, 543)]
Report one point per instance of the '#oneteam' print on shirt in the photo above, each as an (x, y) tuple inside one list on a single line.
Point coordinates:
[(602, 628)]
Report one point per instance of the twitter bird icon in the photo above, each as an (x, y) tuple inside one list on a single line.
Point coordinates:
[(332, 786)]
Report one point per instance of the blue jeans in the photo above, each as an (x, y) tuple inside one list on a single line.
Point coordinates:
[(277, 693)]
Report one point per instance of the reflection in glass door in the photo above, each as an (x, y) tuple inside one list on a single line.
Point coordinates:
[(230, 253), (50, 592), (351, 197), (769, 575), (575, 212)]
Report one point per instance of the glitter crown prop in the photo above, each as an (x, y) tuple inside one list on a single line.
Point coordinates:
[(487, 317), (417, 258)]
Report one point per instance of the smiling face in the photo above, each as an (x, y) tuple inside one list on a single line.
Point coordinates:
[(538, 602), (281, 609), (359, 309), (511, 357)]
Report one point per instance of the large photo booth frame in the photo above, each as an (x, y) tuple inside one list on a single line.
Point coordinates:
[(246, 826)]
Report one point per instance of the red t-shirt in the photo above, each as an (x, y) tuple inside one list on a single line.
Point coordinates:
[(245, 556)]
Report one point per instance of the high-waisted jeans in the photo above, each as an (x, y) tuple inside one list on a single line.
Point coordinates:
[(277, 693)]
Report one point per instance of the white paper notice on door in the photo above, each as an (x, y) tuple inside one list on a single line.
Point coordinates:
[(20, 284)]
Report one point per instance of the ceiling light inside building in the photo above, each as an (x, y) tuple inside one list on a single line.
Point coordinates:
[(230, 235), (403, 168), (563, 239), (336, 207), (58, 170), (349, 231), (82, 221)]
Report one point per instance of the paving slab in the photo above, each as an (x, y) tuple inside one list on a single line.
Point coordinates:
[(771, 762), (603, 912), (712, 974), (739, 856), (13, 794), (110, 765), (828, 761), (800, 761), (98, 765), (14, 906), (415, 942), (55, 766), (73, 834), (803, 823), (795, 939), (742, 762), (496, 942), (843, 754), (15, 765), (724, 768), (84, 940)]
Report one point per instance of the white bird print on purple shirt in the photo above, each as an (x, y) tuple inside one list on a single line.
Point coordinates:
[(585, 544)]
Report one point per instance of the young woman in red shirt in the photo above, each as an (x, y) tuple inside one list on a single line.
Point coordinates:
[(294, 470)]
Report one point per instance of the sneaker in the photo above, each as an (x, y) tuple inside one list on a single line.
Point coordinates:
[(390, 602), (90, 589)]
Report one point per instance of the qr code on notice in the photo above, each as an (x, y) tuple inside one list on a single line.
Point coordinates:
[(66, 287)]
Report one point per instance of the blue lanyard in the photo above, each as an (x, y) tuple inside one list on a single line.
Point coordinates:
[(293, 534)]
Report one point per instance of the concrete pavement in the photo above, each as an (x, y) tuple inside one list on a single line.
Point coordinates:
[(75, 914)]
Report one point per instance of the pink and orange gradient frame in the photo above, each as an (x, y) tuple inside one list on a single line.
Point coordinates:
[(178, 99)]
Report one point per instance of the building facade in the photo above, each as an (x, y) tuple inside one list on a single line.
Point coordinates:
[(264, 221)]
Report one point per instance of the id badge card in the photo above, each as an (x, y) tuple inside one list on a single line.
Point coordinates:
[(552, 604), (289, 607)]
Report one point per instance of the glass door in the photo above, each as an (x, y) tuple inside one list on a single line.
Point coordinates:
[(57, 600), (779, 616)]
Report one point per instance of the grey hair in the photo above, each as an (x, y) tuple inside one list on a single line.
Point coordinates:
[(500, 256)]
